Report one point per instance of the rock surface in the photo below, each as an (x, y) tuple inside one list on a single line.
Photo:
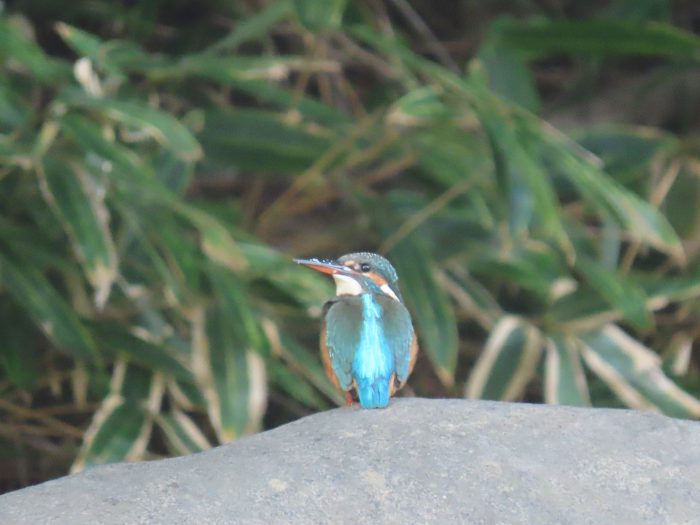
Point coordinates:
[(418, 461)]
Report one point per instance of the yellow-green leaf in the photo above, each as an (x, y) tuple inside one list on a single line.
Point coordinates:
[(564, 380), (507, 362), (634, 373), (46, 307), (78, 201)]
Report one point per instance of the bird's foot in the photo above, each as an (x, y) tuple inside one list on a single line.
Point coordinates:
[(348, 399)]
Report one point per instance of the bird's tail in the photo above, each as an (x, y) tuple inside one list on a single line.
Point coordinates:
[(373, 393)]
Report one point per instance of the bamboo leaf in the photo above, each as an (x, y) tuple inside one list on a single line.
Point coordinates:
[(230, 373), (523, 178), (260, 140), (88, 136), (302, 362), (508, 361), (472, 296), (46, 308), (161, 126), (637, 217), (419, 106), (282, 98), (602, 37), (320, 16), (236, 307), (182, 434), (565, 380), (84, 43), (158, 358), (633, 372), (620, 293), (17, 46), (216, 241), (584, 311), (19, 356), (121, 428), (509, 76), (283, 378), (627, 151), (79, 204), (253, 27)]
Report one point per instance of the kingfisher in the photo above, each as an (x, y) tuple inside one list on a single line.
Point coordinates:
[(368, 345)]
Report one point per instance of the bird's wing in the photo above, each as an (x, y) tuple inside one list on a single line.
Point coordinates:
[(399, 336), (343, 322)]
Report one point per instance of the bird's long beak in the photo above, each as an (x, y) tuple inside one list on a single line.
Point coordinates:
[(325, 266)]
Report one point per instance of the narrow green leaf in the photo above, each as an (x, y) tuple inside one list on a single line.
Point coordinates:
[(523, 178), (228, 367), (83, 43), (509, 77), (46, 307), (419, 106), (535, 267), (230, 371), (680, 205), (236, 307), (662, 291), (17, 46), (564, 380), (472, 296), (507, 363), (602, 37), (302, 362), (88, 136), (252, 139), (633, 372), (121, 428), (187, 396), (229, 70), (627, 151), (78, 201), (15, 113), (618, 291), (117, 426), (161, 126), (320, 16), (19, 357), (114, 339), (216, 241), (278, 96), (637, 218), (281, 377), (182, 434), (174, 255), (584, 311), (640, 10), (253, 27)]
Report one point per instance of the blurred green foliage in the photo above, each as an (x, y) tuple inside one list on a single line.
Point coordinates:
[(161, 163)]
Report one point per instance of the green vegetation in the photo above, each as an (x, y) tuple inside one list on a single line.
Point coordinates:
[(160, 166)]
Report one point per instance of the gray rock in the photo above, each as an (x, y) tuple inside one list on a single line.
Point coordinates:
[(418, 461)]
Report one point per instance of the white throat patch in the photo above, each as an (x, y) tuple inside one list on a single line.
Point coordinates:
[(345, 285)]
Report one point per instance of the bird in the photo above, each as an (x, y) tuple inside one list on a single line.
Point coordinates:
[(368, 344)]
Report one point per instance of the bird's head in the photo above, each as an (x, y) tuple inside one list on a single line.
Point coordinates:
[(358, 273)]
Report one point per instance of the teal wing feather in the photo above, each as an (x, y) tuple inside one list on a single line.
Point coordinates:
[(343, 326), (398, 333)]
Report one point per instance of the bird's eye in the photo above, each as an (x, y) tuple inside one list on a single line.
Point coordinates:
[(365, 267)]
